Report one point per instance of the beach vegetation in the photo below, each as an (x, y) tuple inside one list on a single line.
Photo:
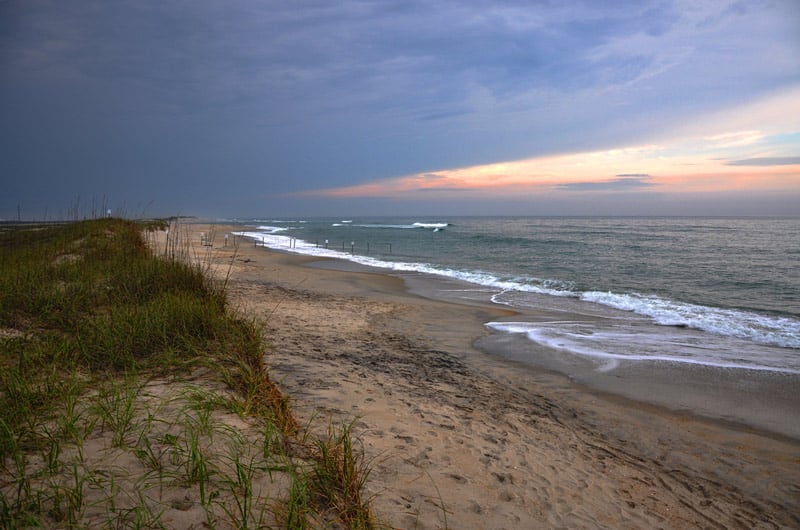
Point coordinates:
[(132, 394), (339, 476)]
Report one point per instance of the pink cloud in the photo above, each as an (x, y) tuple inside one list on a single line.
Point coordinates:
[(607, 171)]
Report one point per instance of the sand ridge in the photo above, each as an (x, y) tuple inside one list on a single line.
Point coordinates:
[(459, 439)]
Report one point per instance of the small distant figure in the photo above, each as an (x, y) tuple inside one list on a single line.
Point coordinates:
[(226, 240), (108, 213)]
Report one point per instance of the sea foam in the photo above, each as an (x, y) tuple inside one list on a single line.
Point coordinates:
[(612, 344), (764, 329), (760, 328)]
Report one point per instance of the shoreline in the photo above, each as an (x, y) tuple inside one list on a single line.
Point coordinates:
[(752, 399), (475, 440)]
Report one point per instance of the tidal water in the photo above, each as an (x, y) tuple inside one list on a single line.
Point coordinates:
[(721, 292)]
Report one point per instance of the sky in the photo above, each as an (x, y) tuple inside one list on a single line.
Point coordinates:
[(260, 108)]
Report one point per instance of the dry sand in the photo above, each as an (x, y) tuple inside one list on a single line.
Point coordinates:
[(462, 439)]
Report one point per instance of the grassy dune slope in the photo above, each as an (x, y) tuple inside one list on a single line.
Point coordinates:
[(132, 396)]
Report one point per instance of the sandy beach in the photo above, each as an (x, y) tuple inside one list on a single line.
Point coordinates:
[(459, 438)]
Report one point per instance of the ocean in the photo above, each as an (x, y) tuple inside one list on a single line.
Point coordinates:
[(721, 292)]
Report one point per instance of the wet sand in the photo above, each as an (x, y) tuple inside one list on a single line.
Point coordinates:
[(759, 399), (461, 438)]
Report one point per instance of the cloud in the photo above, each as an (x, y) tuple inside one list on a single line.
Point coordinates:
[(735, 139), (624, 182), (767, 161), (688, 164), (447, 189), (364, 98)]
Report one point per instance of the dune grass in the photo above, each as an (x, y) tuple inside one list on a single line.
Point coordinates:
[(92, 320)]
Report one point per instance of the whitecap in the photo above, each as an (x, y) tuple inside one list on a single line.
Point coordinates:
[(764, 329)]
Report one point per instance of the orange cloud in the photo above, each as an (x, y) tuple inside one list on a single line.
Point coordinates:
[(737, 179), (754, 147), (593, 171)]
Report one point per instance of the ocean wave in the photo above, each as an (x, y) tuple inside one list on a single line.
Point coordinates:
[(274, 221), (427, 226), (610, 345), (282, 242), (431, 225), (763, 329), (272, 229)]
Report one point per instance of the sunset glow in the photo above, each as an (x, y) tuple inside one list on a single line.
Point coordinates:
[(740, 158), (652, 168)]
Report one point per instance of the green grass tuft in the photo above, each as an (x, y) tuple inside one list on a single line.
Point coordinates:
[(88, 313)]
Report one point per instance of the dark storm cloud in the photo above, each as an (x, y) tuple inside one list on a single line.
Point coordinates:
[(189, 103)]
